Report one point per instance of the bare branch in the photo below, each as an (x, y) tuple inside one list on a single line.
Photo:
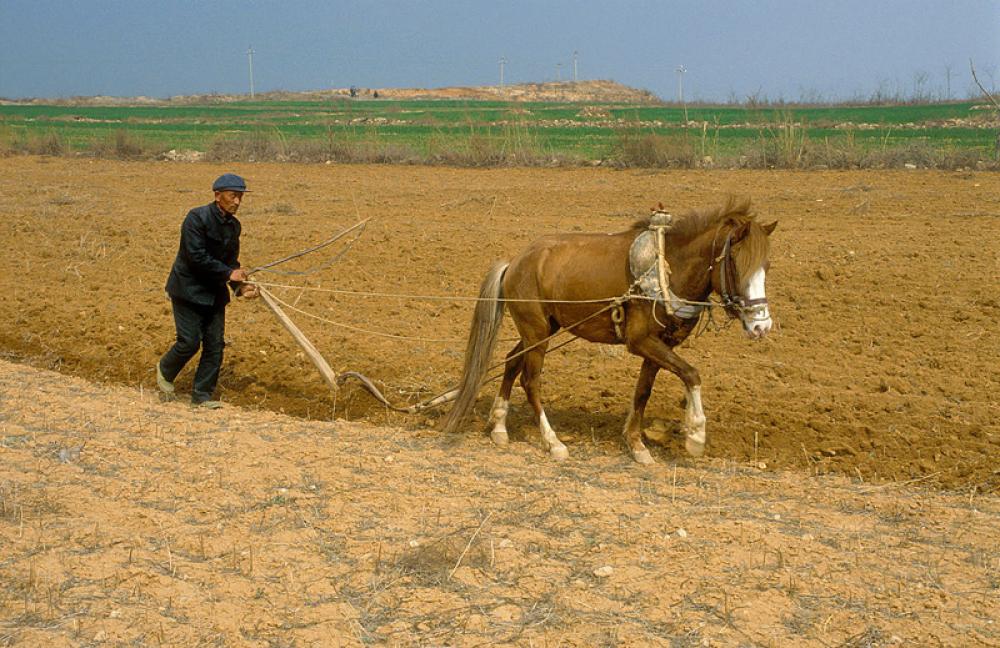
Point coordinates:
[(984, 91)]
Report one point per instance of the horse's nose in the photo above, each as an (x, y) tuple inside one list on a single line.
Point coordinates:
[(759, 329)]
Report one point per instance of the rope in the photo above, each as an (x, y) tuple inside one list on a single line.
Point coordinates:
[(362, 225), (358, 329), (363, 293)]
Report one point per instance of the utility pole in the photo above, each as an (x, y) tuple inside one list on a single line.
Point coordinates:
[(250, 59), (575, 77), (680, 90), (503, 62), (558, 71)]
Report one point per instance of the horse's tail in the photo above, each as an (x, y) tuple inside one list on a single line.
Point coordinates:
[(479, 349)]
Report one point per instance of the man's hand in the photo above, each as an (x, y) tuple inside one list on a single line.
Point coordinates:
[(239, 274), (248, 291)]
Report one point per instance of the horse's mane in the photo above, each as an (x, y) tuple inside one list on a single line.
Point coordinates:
[(752, 251)]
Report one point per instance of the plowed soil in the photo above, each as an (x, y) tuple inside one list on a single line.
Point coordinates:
[(845, 496), (883, 285)]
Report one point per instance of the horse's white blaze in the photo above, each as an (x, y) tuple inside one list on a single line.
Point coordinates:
[(499, 413), (694, 417), (556, 447), (757, 322)]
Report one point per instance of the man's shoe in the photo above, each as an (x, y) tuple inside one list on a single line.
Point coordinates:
[(209, 404), (166, 387)]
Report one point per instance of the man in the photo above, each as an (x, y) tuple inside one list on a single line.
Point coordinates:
[(208, 258)]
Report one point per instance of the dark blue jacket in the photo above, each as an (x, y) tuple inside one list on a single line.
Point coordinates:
[(209, 251)]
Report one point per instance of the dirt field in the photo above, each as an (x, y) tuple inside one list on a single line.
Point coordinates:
[(884, 286), (127, 522), (815, 516)]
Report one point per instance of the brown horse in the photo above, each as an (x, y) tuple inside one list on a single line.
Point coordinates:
[(584, 283)]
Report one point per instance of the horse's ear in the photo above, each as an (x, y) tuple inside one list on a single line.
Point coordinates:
[(740, 231), (770, 227)]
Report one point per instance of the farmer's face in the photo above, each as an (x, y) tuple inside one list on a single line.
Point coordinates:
[(229, 201)]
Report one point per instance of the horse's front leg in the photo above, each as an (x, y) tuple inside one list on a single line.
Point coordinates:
[(633, 424), (694, 422), (655, 350)]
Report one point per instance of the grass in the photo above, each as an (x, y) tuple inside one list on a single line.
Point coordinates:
[(492, 133)]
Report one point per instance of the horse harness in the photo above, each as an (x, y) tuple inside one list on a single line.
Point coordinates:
[(651, 272), (735, 304)]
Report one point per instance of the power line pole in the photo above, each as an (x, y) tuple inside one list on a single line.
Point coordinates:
[(503, 62), (680, 90), (250, 59), (558, 71), (575, 77)]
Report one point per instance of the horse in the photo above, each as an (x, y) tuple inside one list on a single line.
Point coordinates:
[(583, 283)]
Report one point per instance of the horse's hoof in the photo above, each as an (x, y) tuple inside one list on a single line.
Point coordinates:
[(499, 437), (559, 453), (694, 448), (643, 457)]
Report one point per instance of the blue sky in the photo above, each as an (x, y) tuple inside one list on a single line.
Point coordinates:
[(770, 48)]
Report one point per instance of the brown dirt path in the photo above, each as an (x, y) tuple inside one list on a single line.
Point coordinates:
[(883, 284), (125, 521)]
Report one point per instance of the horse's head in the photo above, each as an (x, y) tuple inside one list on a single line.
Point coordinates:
[(740, 262)]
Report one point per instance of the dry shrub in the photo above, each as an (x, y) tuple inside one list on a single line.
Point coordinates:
[(124, 145), (256, 145), (48, 143), (789, 147), (512, 145), (7, 142), (637, 149), (273, 146)]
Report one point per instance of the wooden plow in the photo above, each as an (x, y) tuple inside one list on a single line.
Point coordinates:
[(329, 375)]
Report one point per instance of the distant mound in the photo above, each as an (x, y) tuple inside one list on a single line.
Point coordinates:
[(600, 91)]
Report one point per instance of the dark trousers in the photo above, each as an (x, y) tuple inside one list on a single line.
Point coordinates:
[(197, 325)]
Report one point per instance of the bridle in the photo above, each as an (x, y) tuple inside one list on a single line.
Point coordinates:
[(735, 304)]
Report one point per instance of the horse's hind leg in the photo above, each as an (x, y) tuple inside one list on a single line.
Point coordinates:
[(633, 424), (531, 380), (511, 370)]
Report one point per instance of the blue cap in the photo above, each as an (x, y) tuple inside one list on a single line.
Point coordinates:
[(229, 182)]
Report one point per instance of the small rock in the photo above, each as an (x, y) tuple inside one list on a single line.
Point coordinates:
[(505, 543), (808, 536), (604, 572), (909, 165), (681, 533), (475, 623), (507, 613), (777, 516), (414, 543)]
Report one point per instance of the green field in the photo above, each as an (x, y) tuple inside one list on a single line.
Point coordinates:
[(428, 130)]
